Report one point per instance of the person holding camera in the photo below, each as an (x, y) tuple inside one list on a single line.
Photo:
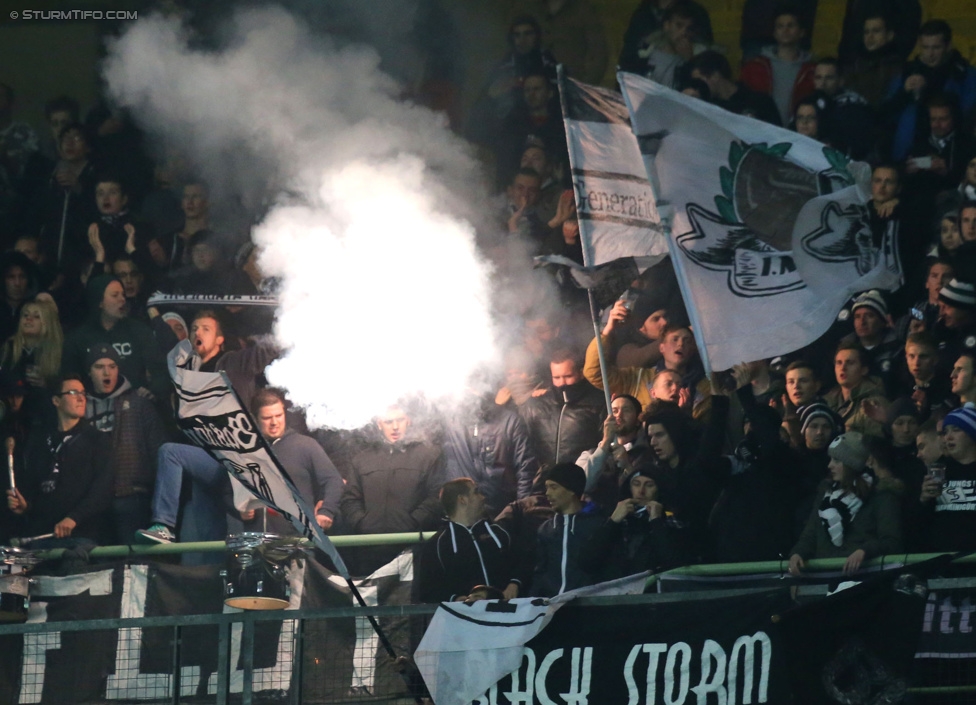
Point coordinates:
[(639, 535), (623, 451)]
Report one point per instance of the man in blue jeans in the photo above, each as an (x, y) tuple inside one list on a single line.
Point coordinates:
[(209, 477)]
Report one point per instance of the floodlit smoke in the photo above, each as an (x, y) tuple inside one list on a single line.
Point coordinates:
[(383, 294)]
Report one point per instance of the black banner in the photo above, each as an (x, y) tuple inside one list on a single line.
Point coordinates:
[(715, 650)]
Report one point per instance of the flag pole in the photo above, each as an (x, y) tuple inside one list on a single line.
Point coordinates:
[(681, 275), (585, 246)]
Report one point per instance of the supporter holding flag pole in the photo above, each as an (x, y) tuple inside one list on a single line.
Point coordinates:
[(769, 227)]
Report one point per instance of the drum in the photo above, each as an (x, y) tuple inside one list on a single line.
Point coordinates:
[(254, 575), (14, 583), (14, 598)]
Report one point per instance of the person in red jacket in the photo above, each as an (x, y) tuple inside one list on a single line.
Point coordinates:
[(783, 71)]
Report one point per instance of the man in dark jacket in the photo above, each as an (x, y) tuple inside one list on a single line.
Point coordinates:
[(752, 520), (639, 535), (308, 466), (490, 445), (557, 565), (67, 485), (392, 487), (469, 552), (938, 68), (623, 451), (135, 433), (568, 418)]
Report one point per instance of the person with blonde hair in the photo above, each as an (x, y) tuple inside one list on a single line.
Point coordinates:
[(33, 352), (31, 357)]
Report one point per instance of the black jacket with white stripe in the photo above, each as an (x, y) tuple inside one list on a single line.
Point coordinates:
[(459, 557)]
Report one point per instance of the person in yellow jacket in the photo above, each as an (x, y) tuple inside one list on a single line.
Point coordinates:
[(678, 355)]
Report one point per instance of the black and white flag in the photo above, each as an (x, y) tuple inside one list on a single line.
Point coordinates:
[(213, 418), (770, 232), (615, 202)]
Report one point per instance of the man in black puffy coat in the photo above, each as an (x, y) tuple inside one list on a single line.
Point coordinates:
[(490, 445), (568, 418)]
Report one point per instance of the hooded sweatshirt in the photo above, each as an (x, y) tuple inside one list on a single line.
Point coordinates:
[(788, 82)]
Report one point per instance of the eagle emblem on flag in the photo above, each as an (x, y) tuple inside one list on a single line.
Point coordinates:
[(749, 233)]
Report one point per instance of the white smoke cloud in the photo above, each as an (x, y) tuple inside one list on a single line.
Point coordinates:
[(383, 292)]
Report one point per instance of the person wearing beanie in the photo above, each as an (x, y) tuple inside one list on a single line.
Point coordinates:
[(819, 425), (856, 518), (902, 427), (639, 344), (955, 330), (133, 429), (872, 329), (558, 545), (140, 359), (948, 504), (639, 535)]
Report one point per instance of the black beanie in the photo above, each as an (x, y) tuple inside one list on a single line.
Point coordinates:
[(95, 291), (570, 476)]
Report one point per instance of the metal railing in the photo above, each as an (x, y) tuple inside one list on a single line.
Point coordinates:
[(235, 682)]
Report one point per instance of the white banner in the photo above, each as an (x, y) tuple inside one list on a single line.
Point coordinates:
[(615, 202), (468, 648), (213, 418), (771, 231)]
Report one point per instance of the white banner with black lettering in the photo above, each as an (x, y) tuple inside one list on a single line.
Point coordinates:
[(615, 202), (770, 233), (212, 417)]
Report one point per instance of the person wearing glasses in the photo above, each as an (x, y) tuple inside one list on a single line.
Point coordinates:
[(66, 488)]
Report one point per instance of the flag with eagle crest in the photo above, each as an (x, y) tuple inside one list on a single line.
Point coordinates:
[(770, 232)]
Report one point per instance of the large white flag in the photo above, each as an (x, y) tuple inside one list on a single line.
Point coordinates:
[(615, 203), (770, 232), (213, 418)]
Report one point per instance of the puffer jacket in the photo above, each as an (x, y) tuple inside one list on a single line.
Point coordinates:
[(494, 451), (564, 422)]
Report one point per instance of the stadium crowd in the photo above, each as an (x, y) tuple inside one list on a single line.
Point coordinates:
[(860, 445)]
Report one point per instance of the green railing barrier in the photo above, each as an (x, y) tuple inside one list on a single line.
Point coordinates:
[(814, 565), (165, 549), (693, 571)]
